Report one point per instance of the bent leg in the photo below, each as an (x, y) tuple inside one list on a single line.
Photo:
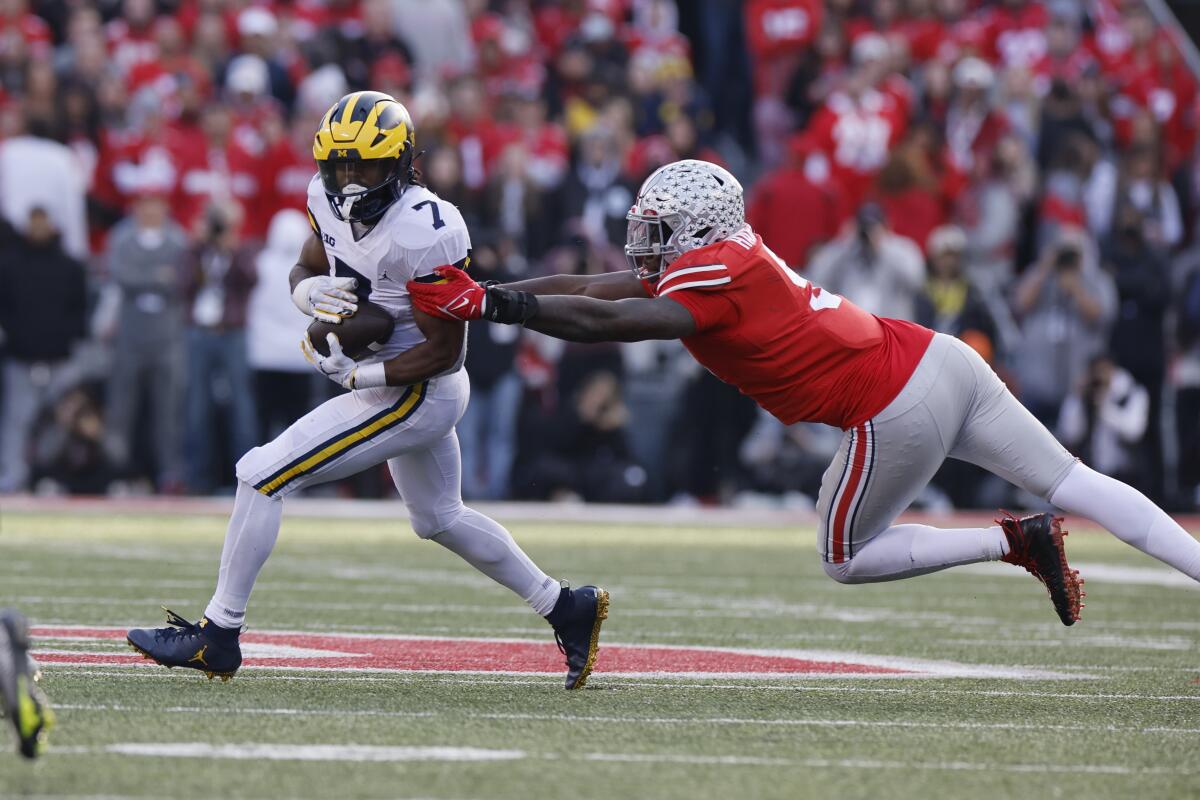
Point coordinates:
[(429, 481), (340, 437), (906, 551), (879, 470)]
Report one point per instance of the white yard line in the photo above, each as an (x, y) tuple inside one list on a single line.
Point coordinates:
[(1108, 643), (614, 681), (869, 764), (311, 752), (628, 720), (395, 754)]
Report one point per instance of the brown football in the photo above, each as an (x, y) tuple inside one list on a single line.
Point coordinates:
[(371, 324)]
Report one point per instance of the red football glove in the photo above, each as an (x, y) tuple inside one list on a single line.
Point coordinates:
[(450, 294)]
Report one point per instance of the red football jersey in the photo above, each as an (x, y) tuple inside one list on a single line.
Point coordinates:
[(804, 354)]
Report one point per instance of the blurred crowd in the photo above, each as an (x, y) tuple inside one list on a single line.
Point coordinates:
[(1022, 174)]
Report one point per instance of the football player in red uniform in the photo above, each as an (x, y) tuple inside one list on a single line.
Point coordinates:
[(906, 397)]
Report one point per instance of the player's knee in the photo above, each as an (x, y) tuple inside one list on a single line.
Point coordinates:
[(428, 522), (248, 465), (841, 572)]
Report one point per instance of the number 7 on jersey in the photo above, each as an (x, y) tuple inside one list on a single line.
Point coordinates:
[(438, 222)]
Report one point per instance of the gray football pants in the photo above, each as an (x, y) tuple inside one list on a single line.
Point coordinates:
[(953, 406)]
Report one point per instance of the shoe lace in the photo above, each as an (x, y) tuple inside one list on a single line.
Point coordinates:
[(180, 627), (1018, 542)]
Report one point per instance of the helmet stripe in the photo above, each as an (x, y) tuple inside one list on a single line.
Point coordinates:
[(351, 103)]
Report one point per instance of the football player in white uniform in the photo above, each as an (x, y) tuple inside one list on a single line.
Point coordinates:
[(375, 228)]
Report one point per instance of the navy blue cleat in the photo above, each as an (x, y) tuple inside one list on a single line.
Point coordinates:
[(21, 700), (194, 645), (576, 619)]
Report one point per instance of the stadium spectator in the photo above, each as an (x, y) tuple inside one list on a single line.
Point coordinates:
[(257, 31), (584, 455), (596, 195), (1104, 419), (950, 303), (919, 183), (771, 207), (283, 379), (1138, 341), (37, 172), (144, 325), (990, 211), (68, 447), (1187, 377), (870, 265), (487, 431), (1140, 184), (216, 280), (43, 308), (1065, 304)]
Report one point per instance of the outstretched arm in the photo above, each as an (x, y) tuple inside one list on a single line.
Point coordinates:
[(584, 319), (579, 318), (607, 286)]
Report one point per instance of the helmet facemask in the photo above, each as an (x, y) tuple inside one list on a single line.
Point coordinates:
[(649, 245), (360, 190)]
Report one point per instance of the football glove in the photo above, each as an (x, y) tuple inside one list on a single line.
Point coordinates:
[(340, 368), (327, 298), (452, 294)]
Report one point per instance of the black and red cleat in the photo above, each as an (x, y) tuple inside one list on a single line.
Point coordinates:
[(1036, 543)]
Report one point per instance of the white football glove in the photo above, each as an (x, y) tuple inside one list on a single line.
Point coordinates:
[(340, 368), (327, 298)]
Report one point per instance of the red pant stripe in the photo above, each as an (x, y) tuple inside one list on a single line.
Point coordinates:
[(858, 462)]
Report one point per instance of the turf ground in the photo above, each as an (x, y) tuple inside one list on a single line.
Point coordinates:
[(1005, 703)]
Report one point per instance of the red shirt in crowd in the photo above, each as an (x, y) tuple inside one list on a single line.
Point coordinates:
[(802, 353), (31, 29), (1016, 37), (796, 214), (778, 32), (856, 135), (215, 174), (1155, 79)]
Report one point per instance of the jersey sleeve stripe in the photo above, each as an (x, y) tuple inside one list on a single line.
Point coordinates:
[(694, 284), (312, 221), (670, 276)]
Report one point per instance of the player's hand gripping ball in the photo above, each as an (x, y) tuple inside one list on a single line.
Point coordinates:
[(359, 335), (337, 366)]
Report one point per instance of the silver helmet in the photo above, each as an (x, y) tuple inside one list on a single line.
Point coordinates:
[(681, 206)]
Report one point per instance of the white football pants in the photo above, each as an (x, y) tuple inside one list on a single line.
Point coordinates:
[(412, 429)]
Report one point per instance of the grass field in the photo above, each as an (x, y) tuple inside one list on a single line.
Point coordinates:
[(1107, 709)]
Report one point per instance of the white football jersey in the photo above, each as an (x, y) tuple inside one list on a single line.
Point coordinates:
[(418, 233)]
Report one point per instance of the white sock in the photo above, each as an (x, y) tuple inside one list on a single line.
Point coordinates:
[(905, 551), (1130, 516), (253, 528), (489, 548)]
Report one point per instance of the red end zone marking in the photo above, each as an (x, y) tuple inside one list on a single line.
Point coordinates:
[(299, 650)]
